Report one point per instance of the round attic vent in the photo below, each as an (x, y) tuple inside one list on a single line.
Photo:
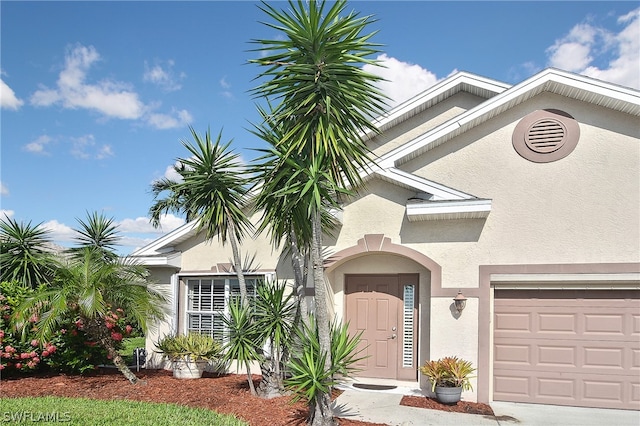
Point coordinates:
[(546, 135)]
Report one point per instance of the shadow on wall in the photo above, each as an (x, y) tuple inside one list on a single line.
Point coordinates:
[(441, 231)]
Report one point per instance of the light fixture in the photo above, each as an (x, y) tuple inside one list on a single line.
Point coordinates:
[(460, 302)]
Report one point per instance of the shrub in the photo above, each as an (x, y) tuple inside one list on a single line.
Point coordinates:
[(68, 350)]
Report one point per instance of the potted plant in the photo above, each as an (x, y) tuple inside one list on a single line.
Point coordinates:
[(189, 353), (449, 376)]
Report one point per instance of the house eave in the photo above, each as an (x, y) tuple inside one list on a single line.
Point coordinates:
[(448, 210)]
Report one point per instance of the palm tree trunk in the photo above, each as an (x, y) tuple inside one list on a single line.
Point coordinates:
[(120, 364), (250, 378), (237, 262), (321, 308), (297, 262), (321, 411)]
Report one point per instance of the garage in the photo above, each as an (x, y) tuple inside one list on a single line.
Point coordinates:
[(567, 347)]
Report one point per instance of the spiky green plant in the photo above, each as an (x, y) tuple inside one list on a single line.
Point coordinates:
[(244, 338), (190, 347), (449, 371)]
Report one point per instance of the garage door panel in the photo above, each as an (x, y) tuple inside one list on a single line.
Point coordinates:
[(576, 348)]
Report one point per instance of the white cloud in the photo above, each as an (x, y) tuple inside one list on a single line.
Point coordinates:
[(8, 98), (6, 214), (110, 98), (171, 173), (85, 148), (174, 120), (142, 225), (38, 146), (403, 80), (59, 231), (4, 190), (165, 78), (586, 45)]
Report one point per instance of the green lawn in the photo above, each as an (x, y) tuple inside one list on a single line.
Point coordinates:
[(82, 412)]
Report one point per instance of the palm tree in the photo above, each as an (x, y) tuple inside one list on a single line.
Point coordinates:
[(25, 253), (325, 101), (98, 233), (88, 287), (212, 190)]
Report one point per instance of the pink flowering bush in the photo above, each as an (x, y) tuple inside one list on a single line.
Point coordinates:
[(69, 350)]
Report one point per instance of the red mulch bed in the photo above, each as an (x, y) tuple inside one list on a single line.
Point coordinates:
[(459, 407), (227, 394)]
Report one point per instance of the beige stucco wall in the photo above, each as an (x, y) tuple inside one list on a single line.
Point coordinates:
[(199, 254), (581, 209), (162, 281), (422, 122)]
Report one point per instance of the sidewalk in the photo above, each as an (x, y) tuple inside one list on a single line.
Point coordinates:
[(384, 407)]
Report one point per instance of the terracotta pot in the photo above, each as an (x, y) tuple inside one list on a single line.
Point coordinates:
[(448, 395), (183, 369)]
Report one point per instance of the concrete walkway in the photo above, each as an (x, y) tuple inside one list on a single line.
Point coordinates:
[(384, 407)]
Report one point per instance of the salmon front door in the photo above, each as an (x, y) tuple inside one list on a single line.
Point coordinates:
[(376, 306)]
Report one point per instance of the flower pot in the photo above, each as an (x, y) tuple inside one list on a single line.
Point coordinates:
[(187, 369), (448, 395)]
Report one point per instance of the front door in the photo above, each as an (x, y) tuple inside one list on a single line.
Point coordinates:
[(375, 307)]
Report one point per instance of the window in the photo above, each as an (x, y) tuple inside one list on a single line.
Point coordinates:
[(208, 299)]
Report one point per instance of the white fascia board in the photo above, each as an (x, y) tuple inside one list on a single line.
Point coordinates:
[(515, 94), (443, 209), (162, 243), (173, 261), (433, 92), (440, 192)]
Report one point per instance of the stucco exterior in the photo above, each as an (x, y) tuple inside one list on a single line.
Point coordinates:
[(571, 223)]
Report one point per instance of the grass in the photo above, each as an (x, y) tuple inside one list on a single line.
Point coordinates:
[(82, 412)]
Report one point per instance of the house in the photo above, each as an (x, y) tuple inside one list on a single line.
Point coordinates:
[(524, 199)]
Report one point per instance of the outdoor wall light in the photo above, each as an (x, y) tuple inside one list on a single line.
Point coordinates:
[(460, 302)]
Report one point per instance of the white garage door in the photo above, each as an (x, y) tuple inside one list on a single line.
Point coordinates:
[(567, 347)]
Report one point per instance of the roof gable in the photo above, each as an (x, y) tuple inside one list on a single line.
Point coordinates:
[(551, 80)]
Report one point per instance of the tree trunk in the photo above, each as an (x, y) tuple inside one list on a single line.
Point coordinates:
[(300, 281), (237, 263), (321, 308), (250, 378), (320, 412), (120, 364), (96, 329)]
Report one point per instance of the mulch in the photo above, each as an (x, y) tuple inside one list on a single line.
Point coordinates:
[(228, 394)]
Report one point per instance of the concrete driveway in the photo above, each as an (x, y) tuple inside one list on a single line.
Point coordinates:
[(384, 407)]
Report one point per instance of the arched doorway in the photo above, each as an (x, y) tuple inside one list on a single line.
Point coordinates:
[(379, 286)]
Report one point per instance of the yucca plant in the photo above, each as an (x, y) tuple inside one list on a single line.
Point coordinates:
[(244, 337), (344, 349), (310, 378)]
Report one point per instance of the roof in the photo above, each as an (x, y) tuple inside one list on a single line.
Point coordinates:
[(434, 200)]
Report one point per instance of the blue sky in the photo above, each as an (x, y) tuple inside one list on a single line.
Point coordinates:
[(96, 96)]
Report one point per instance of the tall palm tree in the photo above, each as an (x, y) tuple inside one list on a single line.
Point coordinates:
[(25, 253), (88, 287), (211, 190), (326, 102)]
